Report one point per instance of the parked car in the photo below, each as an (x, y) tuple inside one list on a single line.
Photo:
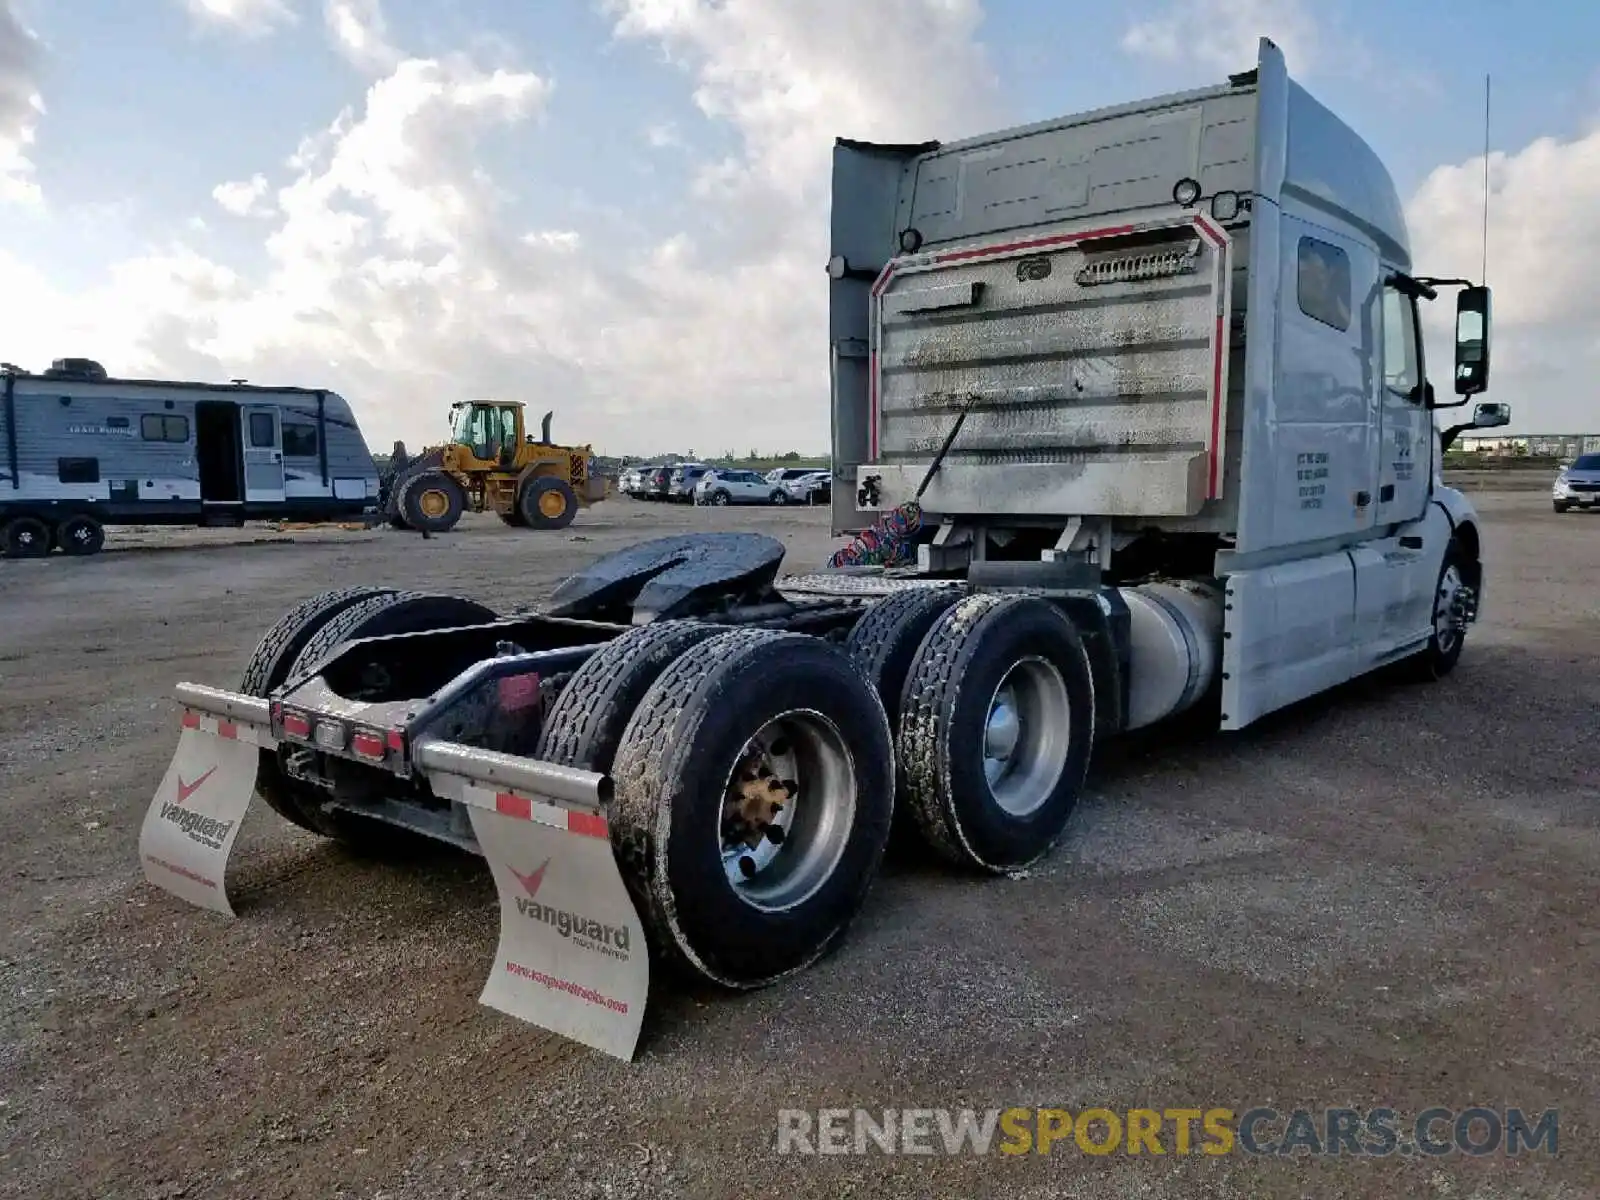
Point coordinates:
[(680, 486), (784, 475), (1578, 484), (814, 487), (724, 486), (635, 479)]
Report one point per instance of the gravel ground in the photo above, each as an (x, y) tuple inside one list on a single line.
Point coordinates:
[(1382, 897)]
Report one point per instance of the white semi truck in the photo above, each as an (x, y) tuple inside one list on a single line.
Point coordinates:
[(1152, 380)]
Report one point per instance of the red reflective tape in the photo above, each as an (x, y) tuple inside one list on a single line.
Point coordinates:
[(510, 805), (587, 824), (191, 720), (227, 729)]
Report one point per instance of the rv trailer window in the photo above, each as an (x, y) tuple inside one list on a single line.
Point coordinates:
[(263, 431), (299, 441), (1324, 283), (162, 427)]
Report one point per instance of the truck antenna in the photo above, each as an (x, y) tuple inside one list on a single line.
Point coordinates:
[(1486, 180)]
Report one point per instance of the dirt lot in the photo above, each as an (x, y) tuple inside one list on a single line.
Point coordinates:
[(1383, 898)]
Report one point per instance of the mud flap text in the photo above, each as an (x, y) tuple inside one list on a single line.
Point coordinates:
[(190, 827)]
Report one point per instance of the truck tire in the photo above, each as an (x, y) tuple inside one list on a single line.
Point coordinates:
[(268, 667), (80, 536), (385, 615), (585, 724), (546, 502), (996, 729), (432, 501), (1445, 644), (738, 916), (26, 537), (884, 642)]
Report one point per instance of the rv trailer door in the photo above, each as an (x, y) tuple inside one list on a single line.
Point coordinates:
[(263, 455)]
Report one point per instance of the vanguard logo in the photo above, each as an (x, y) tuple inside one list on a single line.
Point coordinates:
[(208, 831), (582, 931)]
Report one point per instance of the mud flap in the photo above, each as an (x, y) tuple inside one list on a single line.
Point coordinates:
[(572, 956), (192, 822)]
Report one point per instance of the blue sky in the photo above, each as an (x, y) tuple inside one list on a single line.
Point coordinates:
[(656, 301)]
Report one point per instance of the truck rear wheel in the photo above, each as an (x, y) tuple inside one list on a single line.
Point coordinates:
[(268, 668), (585, 724), (754, 787), (884, 642), (546, 502), (432, 501), (384, 616), (26, 537), (996, 730)]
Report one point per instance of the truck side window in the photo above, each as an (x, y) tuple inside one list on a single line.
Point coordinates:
[(1324, 283), (158, 427), (1401, 369), (262, 431), (299, 441)]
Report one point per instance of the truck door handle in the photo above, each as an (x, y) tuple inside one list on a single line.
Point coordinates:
[(1363, 499), (1411, 542), (1386, 492)]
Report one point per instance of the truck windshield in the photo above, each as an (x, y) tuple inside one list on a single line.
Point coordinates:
[(461, 431)]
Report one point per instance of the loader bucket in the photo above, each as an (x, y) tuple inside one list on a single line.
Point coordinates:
[(572, 956), (190, 827)]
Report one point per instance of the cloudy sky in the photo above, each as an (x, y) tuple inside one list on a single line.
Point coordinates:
[(617, 208)]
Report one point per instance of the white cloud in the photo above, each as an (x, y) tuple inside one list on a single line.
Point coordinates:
[(401, 273), (243, 198), (1222, 35), (361, 34), (1542, 241), (21, 105), (252, 18), (663, 136)]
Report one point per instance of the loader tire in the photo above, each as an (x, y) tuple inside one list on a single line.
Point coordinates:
[(546, 502), (956, 727), (585, 724), (669, 820), (268, 667), (432, 502), (386, 615)]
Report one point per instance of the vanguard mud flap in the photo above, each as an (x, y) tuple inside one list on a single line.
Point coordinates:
[(571, 957)]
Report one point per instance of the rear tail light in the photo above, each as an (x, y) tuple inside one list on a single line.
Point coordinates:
[(368, 744), (295, 725), (397, 740)]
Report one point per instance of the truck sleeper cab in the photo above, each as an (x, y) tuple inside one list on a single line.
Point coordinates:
[(1152, 379)]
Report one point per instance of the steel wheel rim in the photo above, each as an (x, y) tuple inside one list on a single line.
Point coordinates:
[(433, 503), (1444, 618), (80, 534), (1027, 733), (27, 538), (804, 749), (719, 498), (552, 503)]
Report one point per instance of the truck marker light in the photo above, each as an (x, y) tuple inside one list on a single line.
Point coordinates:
[(295, 725), (368, 744)]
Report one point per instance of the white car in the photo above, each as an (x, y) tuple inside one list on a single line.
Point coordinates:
[(736, 487), (810, 487)]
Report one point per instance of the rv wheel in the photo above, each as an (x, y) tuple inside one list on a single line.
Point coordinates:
[(26, 537), (754, 787), (80, 536)]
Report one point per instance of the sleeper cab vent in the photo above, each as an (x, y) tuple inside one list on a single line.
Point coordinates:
[(1138, 268)]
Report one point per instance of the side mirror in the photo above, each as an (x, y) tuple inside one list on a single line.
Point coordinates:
[(1491, 416), (1472, 341)]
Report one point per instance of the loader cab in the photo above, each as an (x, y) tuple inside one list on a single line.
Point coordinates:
[(489, 431)]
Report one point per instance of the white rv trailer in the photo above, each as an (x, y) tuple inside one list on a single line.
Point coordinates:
[(80, 450)]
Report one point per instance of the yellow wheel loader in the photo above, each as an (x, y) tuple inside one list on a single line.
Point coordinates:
[(492, 463)]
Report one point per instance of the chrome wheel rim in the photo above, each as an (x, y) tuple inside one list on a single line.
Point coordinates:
[(788, 807), (1445, 632), (1027, 733)]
